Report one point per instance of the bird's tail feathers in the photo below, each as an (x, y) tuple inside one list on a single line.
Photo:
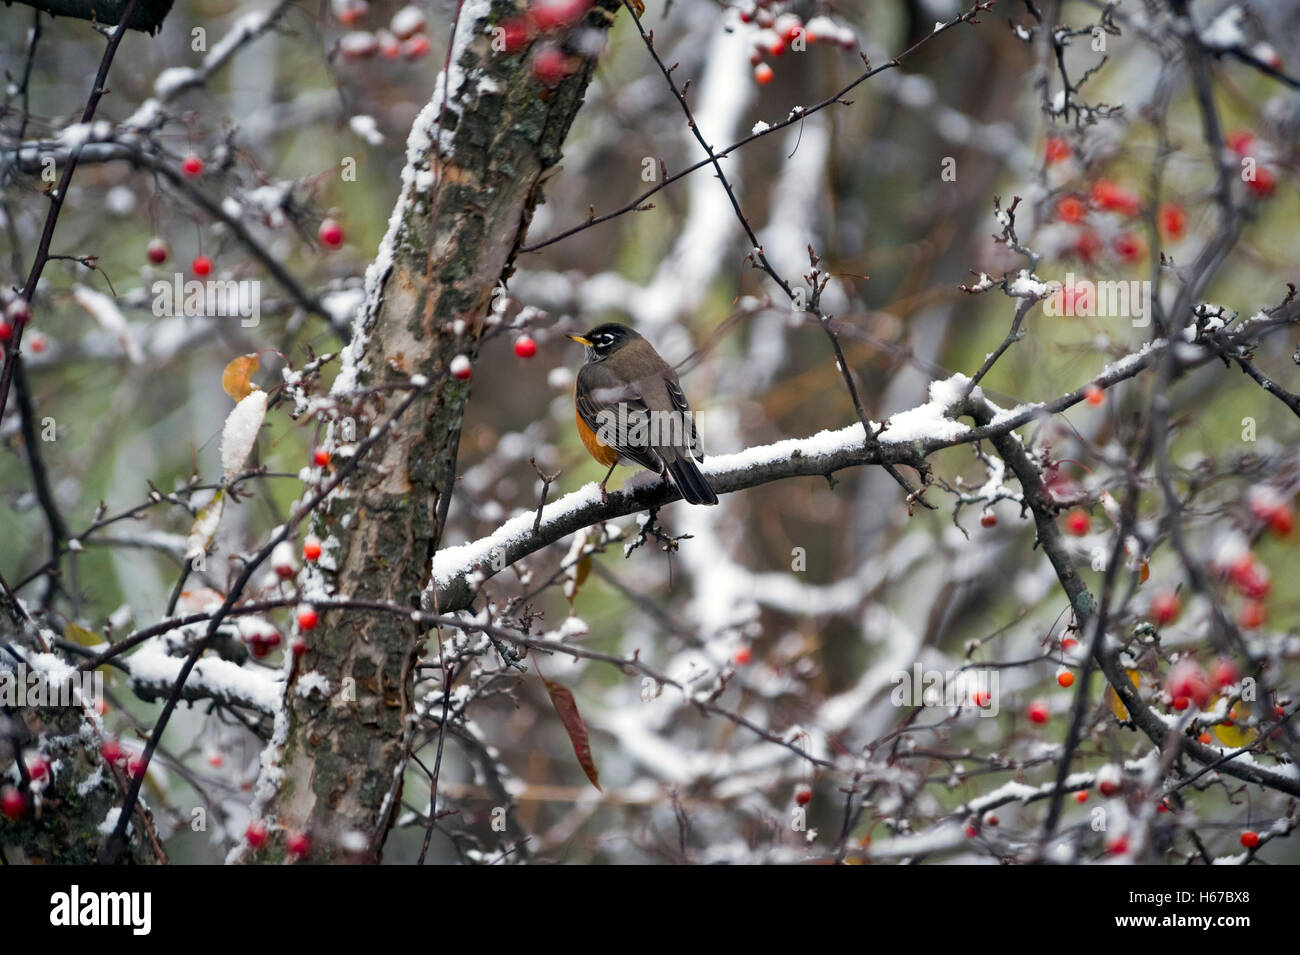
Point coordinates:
[(693, 484)]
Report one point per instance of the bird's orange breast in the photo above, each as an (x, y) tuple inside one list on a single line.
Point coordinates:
[(595, 447)]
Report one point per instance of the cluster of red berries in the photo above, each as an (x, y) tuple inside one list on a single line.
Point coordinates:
[(113, 753), (1267, 504), (1107, 196), (297, 844), (1263, 182), (404, 39), (548, 21), (1251, 579), (778, 32)]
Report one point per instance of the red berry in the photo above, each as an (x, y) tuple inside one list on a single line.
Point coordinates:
[(1115, 198), (515, 35), (298, 844), (776, 47), (390, 48), (1094, 394), (1186, 678), (202, 265), (1129, 247), (1240, 141), (971, 832), (1204, 739), (989, 520), (414, 48), (255, 835), (1268, 504), (1181, 703), (330, 232), (557, 14), (550, 65), (803, 794), (1264, 184), (1069, 643), (1108, 780), (1166, 607), (311, 548), (1070, 209), (111, 750), (981, 698), (1081, 796), (1117, 846), (135, 766), (321, 458), (307, 617), (192, 165), (298, 646), (1252, 615), (743, 656), (1250, 839), (12, 803), (358, 45), (282, 560), (1249, 576), (216, 760), (1038, 712), (1065, 678), (1057, 149), (1224, 672), (461, 368), (763, 74), (991, 819), (1086, 248), (407, 22), (38, 767), (1078, 523), (350, 12), (259, 648), (1173, 220), (6, 331), (156, 251), (525, 347)]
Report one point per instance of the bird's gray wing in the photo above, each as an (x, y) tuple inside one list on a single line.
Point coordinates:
[(680, 405), (599, 407)]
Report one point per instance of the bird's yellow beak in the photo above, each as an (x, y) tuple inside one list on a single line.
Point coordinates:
[(580, 340)]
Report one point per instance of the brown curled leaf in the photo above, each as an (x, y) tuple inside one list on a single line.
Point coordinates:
[(237, 374), (562, 699)]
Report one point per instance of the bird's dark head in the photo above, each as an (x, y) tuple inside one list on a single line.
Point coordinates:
[(603, 340)]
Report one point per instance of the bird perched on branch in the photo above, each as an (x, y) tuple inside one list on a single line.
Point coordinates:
[(631, 410)]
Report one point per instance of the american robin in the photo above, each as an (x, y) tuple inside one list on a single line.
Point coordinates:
[(631, 410)]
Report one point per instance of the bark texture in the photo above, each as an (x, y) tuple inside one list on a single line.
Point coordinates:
[(338, 764), (81, 792)]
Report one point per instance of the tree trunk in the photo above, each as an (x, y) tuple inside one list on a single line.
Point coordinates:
[(336, 765)]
